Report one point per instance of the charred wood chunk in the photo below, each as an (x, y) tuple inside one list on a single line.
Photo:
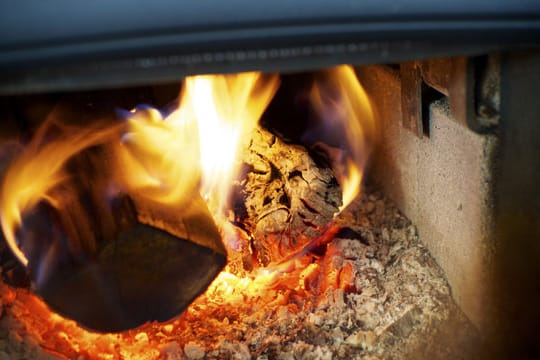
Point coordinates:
[(104, 260), (288, 198)]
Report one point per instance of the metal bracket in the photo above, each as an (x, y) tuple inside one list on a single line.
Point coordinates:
[(471, 85)]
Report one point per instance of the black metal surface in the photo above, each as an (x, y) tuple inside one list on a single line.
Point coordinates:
[(62, 44), (27, 22)]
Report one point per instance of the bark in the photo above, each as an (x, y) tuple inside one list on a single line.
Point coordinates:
[(287, 198)]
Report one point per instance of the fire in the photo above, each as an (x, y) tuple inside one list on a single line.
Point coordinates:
[(345, 108), (194, 150), (157, 157), (39, 169), (195, 147)]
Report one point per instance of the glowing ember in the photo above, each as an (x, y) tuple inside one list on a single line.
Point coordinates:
[(195, 149), (295, 285)]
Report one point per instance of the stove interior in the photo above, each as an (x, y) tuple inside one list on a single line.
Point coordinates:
[(399, 264)]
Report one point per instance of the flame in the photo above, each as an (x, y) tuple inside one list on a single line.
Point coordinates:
[(157, 157), (345, 108), (238, 103), (38, 169), (195, 147)]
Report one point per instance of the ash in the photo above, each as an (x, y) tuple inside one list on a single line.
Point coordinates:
[(391, 301)]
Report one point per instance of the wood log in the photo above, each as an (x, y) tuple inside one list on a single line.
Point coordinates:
[(92, 258), (286, 197)]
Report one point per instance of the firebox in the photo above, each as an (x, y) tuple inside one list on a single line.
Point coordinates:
[(264, 180)]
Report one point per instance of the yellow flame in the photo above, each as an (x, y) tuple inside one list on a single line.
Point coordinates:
[(227, 109), (342, 101), (158, 158), (351, 182), (38, 169), (166, 159)]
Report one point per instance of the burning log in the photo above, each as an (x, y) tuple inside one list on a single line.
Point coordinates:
[(96, 258), (287, 198)]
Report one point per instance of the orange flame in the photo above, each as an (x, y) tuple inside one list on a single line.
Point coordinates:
[(344, 105), (39, 169)]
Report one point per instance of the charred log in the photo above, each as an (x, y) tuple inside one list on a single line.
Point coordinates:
[(287, 198), (98, 257)]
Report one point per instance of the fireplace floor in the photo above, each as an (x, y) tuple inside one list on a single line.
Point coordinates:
[(397, 305)]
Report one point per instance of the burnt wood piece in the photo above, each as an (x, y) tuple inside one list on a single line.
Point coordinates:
[(287, 198), (93, 260), (143, 274)]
